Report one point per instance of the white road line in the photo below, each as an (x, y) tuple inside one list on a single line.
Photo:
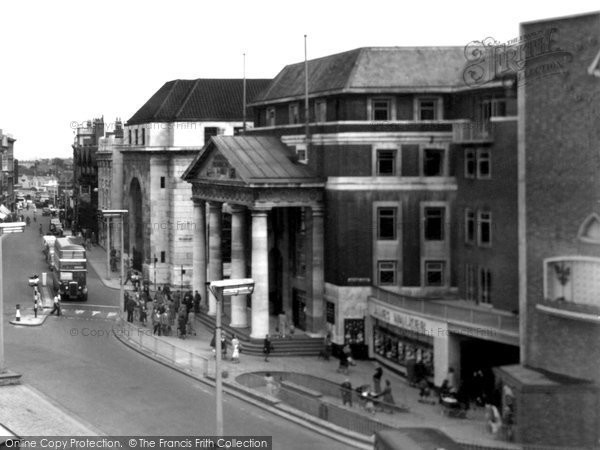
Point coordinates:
[(95, 312), (79, 311), (111, 314)]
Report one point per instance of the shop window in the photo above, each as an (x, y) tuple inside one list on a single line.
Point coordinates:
[(434, 273), (381, 109), (484, 221), (386, 162), (386, 224), (433, 162), (395, 345), (386, 273), (485, 286), (434, 224)]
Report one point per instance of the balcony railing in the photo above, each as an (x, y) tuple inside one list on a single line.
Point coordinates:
[(446, 311), (471, 131)]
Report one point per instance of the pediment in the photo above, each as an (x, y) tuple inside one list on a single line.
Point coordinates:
[(215, 166)]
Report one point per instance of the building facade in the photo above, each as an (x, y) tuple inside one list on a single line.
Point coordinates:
[(85, 176), (160, 141), (7, 177)]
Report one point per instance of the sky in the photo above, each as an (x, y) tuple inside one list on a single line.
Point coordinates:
[(64, 62)]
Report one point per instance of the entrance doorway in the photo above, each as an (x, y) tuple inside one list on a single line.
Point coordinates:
[(299, 309)]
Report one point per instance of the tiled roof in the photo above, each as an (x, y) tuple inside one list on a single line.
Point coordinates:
[(198, 100), (372, 69), (256, 159)]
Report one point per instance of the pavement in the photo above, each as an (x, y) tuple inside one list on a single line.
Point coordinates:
[(193, 356)]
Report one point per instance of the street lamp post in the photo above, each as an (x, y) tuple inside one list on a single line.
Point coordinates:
[(119, 213), (155, 273), (221, 289), (5, 228)]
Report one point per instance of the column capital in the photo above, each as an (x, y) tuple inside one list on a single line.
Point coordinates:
[(259, 211), (317, 210), (215, 205), (237, 208)]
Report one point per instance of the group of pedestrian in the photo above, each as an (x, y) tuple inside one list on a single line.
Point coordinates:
[(168, 312), (236, 347), (371, 397)]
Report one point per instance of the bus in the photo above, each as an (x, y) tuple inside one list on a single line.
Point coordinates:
[(71, 268)]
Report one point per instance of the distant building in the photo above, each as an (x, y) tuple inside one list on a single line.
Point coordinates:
[(7, 177), (85, 175), (161, 139)]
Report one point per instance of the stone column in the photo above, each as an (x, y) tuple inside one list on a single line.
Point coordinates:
[(215, 263), (199, 249), (260, 274), (239, 318), (317, 272)]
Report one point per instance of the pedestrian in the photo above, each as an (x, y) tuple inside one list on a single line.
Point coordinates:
[(270, 384), (56, 305), (197, 302), (343, 367), (213, 343), (164, 323), (129, 307), (235, 349), (156, 322), (35, 307), (451, 381), (143, 313), (191, 330), (182, 321), (346, 391), (223, 346), (377, 378), (387, 397), (326, 352), (267, 347)]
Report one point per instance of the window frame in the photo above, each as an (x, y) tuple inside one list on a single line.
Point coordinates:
[(443, 231), (389, 109), (478, 161), (320, 110), (394, 218), (393, 269), (470, 291), (271, 116), (484, 296), (438, 108), (378, 160), (481, 221), (442, 271), (470, 156), (470, 226), (294, 113)]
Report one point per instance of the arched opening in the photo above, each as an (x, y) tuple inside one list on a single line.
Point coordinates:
[(136, 229)]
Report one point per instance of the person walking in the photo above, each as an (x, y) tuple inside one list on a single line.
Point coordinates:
[(35, 307), (387, 397), (182, 321), (156, 322), (343, 367), (56, 307), (267, 347), (327, 347), (377, 378), (197, 302), (129, 307), (346, 391), (223, 346), (235, 349)]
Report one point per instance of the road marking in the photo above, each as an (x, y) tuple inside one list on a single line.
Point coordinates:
[(95, 312), (111, 314), (79, 311)]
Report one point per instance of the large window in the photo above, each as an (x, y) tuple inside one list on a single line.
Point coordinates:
[(484, 235), (381, 109), (294, 113), (573, 283), (386, 271), (433, 162), (485, 286), (434, 221), (434, 273), (386, 162), (469, 226), (386, 224)]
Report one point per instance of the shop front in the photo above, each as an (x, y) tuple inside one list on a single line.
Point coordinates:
[(413, 345)]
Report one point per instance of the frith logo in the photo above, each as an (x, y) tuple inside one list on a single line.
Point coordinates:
[(534, 55)]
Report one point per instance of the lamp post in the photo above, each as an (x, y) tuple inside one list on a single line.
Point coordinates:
[(221, 289), (119, 213), (5, 228), (155, 273)]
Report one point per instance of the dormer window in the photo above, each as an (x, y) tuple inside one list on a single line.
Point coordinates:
[(271, 117), (381, 109), (294, 113), (301, 154), (428, 108)]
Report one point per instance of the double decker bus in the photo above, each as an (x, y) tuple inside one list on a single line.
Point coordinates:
[(71, 268)]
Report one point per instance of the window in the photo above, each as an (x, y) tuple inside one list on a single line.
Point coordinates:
[(136, 136), (469, 282), (427, 109), (386, 224), (433, 162), (485, 228), (386, 273), (321, 111), (485, 286), (301, 153), (484, 163), (493, 107), (381, 109), (434, 273), (129, 135), (434, 224), (238, 131), (469, 226), (294, 113), (386, 162), (271, 117), (469, 163), (143, 136), (210, 132), (163, 257), (162, 182)]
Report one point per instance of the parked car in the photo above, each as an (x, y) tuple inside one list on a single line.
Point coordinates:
[(46, 212)]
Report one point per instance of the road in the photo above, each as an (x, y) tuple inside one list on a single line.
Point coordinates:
[(81, 367)]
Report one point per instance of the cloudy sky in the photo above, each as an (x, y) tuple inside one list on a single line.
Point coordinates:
[(63, 62)]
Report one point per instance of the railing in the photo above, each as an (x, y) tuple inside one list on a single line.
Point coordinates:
[(470, 131), (146, 341), (450, 313)]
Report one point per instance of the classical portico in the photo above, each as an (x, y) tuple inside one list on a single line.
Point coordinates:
[(276, 208)]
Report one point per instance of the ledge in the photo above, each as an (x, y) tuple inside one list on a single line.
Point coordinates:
[(559, 312)]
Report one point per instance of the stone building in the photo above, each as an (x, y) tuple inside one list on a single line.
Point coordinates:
[(160, 141), (7, 176)]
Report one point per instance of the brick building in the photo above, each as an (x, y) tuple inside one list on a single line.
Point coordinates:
[(7, 176), (388, 211), (553, 394)]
